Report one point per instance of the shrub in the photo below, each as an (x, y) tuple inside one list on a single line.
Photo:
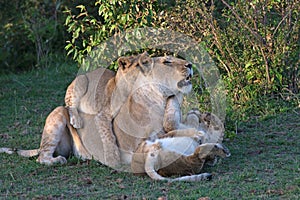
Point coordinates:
[(94, 22), (254, 43), (30, 34)]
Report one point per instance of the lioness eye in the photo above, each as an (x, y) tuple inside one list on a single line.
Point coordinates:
[(167, 62)]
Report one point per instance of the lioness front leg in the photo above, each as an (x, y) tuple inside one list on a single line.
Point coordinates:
[(110, 148), (172, 116), (75, 91)]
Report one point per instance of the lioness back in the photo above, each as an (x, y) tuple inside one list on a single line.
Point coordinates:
[(87, 91)]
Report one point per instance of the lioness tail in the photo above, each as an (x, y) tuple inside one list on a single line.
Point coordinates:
[(24, 153)]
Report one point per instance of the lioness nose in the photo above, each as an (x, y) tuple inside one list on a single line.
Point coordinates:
[(189, 65)]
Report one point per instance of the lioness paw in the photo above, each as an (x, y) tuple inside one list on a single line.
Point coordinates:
[(76, 122), (60, 159), (51, 161)]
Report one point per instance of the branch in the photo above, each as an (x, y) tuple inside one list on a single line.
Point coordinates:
[(259, 38)]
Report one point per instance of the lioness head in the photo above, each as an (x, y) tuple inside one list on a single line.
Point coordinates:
[(171, 75), (168, 71)]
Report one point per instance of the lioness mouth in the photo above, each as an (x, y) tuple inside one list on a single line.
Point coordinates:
[(189, 77), (185, 82)]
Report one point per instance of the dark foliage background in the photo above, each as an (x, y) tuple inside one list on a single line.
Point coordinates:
[(255, 44)]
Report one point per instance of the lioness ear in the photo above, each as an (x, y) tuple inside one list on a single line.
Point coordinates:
[(124, 62), (145, 62)]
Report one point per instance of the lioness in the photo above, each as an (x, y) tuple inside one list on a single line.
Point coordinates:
[(149, 107), (152, 111), (98, 96), (89, 94)]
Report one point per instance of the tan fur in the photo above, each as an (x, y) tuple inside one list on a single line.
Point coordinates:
[(153, 106), (101, 93), (88, 95), (59, 138)]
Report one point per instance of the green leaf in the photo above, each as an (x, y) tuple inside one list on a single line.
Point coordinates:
[(68, 46), (81, 7)]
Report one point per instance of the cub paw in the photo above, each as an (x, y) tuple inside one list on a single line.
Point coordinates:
[(193, 118), (195, 112), (199, 137)]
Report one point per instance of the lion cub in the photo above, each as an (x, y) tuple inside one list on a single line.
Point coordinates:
[(178, 154)]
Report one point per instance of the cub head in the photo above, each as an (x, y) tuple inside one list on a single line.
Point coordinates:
[(212, 122), (125, 79), (220, 150)]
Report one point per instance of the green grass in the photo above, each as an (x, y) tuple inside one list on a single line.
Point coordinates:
[(264, 163)]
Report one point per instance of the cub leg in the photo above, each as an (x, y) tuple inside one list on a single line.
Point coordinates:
[(72, 99), (191, 164), (189, 132), (193, 118), (153, 163), (55, 138)]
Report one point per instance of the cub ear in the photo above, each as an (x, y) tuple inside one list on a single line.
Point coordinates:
[(145, 62)]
